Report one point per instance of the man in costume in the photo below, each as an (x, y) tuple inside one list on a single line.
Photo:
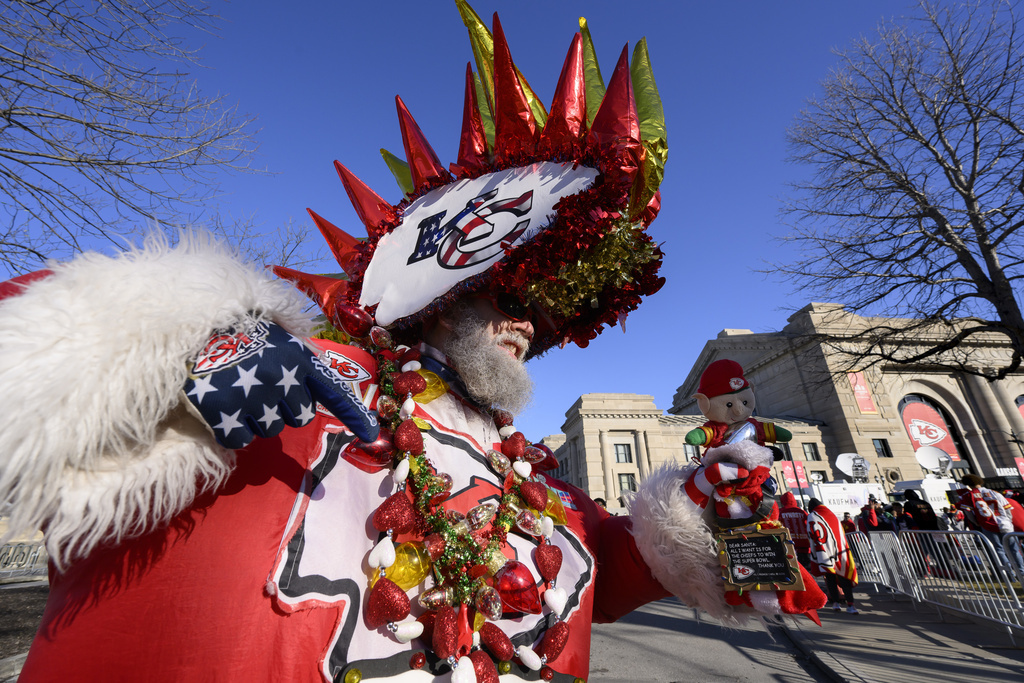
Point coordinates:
[(226, 498)]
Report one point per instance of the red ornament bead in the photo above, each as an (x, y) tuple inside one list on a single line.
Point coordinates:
[(387, 407), (534, 493), (446, 632), (476, 571), (514, 446), (427, 619), (417, 661), (381, 338), (546, 673), (484, 667), (554, 641), (435, 545), (549, 560), (353, 320), (409, 383), (496, 642), (387, 602), (375, 454), (396, 513), (517, 589), (408, 438), (409, 355), (502, 418)]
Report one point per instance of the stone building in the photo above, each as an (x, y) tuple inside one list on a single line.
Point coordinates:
[(883, 414), (612, 441)]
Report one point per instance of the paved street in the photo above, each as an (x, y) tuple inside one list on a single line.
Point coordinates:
[(664, 642)]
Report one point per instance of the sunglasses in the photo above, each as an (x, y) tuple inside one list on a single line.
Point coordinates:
[(510, 306)]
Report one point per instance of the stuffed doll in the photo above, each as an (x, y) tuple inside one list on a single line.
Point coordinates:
[(726, 399)]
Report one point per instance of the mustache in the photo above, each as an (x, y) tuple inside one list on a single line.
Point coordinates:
[(520, 340)]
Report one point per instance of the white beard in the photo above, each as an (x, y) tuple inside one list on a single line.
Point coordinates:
[(492, 376)]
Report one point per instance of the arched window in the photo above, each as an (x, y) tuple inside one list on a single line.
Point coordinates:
[(928, 424)]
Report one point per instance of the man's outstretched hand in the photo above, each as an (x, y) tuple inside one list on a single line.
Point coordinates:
[(256, 381)]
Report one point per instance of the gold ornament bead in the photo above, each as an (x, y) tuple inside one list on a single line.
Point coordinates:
[(578, 680), (353, 676), (504, 667)]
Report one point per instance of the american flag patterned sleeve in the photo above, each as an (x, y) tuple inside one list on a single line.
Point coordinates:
[(258, 379), (701, 484)]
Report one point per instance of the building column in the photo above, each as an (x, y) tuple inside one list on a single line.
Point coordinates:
[(643, 459), (991, 421), (1010, 410), (606, 461)]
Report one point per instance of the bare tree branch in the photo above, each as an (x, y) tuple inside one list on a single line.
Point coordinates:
[(914, 210), (101, 126)]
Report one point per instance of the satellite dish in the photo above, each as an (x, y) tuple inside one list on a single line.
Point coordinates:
[(932, 459), (844, 462)]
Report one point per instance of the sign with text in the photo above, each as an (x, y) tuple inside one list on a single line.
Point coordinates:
[(759, 559), (861, 393)]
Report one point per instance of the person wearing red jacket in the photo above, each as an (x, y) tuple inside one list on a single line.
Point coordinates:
[(794, 518)]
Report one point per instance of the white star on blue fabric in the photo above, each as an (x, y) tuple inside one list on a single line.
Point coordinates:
[(270, 416), (202, 387), (288, 378), (293, 338), (266, 345), (229, 423), (247, 380), (306, 416)]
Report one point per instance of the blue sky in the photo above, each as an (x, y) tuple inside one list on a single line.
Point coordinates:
[(321, 78)]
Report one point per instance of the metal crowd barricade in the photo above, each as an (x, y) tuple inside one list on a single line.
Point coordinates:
[(869, 568), (956, 570), (23, 559), (1013, 545)]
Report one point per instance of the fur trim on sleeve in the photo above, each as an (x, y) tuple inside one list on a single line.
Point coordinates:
[(94, 444), (676, 543)]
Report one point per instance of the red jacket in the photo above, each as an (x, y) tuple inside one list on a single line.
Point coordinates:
[(795, 519)]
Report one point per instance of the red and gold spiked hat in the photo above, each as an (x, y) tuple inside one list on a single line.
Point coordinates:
[(549, 206)]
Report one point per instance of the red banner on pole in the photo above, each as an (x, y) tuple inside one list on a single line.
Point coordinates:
[(1020, 465), (787, 474), (801, 477)]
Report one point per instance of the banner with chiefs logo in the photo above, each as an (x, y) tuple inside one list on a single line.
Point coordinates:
[(926, 427), (788, 475), (801, 476)]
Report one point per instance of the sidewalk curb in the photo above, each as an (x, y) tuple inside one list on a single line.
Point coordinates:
[(827, 663)]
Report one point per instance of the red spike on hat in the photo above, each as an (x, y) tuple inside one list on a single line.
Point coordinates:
[(473, 143), (342, 244), (515, 130), (616, 126), (569, 107), (326, 291), (371, 209), (426, 168)]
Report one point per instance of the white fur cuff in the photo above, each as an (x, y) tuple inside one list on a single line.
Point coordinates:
[(92, 360), (676, 543)]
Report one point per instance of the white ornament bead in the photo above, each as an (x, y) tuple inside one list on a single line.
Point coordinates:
[(507, 431), (408, 406), (522, 468), (383, 554), (411, 366), (464, 672), (547, 526), (529, 658), (476, 638), (555, 599), (401, 472), (408, 630)]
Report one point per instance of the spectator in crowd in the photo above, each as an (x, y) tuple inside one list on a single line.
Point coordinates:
[(901, 521), (872, 518), (794, 518), (989, 513), (831, 554), (848, 524), (920, 511)]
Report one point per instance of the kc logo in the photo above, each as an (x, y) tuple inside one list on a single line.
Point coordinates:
[(925, 433), (224, 350), (349, 370), (479, 232)]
